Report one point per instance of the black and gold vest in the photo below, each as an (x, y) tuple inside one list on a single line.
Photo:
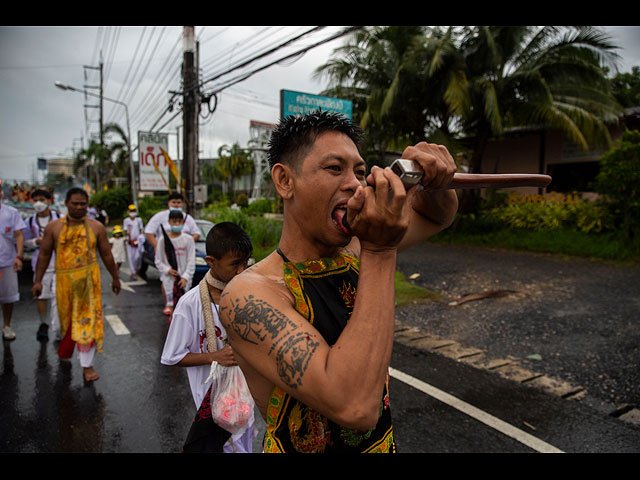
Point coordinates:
[(324, 292)]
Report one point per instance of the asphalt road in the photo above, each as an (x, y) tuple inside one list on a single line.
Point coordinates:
[(480, 352), (569, 324)]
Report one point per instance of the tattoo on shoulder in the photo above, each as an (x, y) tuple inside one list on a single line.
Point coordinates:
[(255, 321)]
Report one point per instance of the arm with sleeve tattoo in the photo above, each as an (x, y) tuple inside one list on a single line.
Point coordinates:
[(344, 381)]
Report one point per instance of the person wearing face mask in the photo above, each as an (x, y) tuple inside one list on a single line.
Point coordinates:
[(33, 238), (153, 231), (134, 230), (176, 203), (176, 260)]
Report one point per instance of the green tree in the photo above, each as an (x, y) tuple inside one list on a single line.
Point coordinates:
[(619, 180), (232, 162), (475, 82), (363, 71), (626, 88), (105, 161)]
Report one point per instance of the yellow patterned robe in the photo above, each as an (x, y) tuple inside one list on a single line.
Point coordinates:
[(78, 285)]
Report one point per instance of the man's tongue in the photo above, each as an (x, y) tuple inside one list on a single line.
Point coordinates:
[(338, 215)]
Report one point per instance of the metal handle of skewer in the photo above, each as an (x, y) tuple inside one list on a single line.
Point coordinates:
[(410, 173)]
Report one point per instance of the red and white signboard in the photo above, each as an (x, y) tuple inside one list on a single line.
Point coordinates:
[(153, 166)]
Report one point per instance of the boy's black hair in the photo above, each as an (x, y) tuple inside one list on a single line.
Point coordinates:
[(174, 195), (41, 193), (176, 215), (228, 237), (73, 191), (293, 137)]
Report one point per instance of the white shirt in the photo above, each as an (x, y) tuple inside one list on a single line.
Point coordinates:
[(10, 221), (133, 227), (162, 218), (185, 249), (188, 334), (117, 249), (35, 229)]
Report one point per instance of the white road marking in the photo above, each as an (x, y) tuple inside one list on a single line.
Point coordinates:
[(117, 326), (127, 285), (480, 415)]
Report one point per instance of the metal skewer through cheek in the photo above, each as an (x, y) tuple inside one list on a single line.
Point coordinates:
[(411, 173)]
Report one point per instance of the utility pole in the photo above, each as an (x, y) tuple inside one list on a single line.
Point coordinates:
[(190, 113), (100, 106)]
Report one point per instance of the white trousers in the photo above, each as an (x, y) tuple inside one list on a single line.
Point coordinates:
[(86, 358)]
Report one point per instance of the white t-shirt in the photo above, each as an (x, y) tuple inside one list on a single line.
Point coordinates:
[(10, 221), (162, 218), (188, 334), (185, 249)]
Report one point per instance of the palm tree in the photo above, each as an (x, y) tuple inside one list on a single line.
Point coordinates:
[(120, 151), (545, 76), (475, 82), (105, 161), (362, 71), (232, 162)]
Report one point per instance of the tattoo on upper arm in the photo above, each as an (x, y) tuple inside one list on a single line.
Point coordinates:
[(256, 321)]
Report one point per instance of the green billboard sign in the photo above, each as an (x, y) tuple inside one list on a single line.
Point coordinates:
[(299, 103)]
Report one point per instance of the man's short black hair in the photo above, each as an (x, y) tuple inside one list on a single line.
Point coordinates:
[(174, 195), (176, 215), (41, 193), (293, 137), (73, 191), (225, 237)]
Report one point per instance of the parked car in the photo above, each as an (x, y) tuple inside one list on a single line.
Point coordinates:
[(201, 252)]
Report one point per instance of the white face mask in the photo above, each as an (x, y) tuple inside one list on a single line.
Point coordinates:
[(132, 214), (40, 206)]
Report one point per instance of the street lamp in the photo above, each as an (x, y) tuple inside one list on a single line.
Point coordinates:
[(62, 86)]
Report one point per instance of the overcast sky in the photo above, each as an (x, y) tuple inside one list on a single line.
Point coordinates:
[(141, 66)]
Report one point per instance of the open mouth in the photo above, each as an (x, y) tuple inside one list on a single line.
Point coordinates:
[(338, 214)]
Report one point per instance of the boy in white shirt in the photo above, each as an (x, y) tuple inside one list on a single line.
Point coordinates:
[(32, 237), (175, 260), (228, 251)]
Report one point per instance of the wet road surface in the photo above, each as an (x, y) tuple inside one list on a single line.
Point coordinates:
[(139, 405)]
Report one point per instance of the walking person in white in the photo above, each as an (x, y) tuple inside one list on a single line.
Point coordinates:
[(187, 345), (153, 230), (134, 229), (117, 246), (11, 250), (32, 238), (175, 277)]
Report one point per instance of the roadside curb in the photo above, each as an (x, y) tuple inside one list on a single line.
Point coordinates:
[(509, 367)]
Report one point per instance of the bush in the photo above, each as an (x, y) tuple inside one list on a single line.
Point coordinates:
[(551, 211), (149, 206), (115, 201), (242, 200), (619, 179), (264, 233), (260, 206)]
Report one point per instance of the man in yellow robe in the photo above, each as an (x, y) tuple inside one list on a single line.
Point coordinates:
[(75, 239)]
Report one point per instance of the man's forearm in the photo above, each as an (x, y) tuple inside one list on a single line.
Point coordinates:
[(44, 257), (19, 237), (151, 239), (439, 207), (361, 356)]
